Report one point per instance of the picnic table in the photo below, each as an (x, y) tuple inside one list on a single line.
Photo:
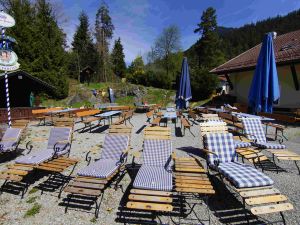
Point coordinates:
[(170, 109), (61, 111), (109, 115), (170, 116), (246, 115)]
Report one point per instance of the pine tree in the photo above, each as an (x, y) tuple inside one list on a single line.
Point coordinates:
[(103, 33), (117, 58), (208, 47), (49, 40), (84, 52)]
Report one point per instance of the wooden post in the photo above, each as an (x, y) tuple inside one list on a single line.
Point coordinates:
[(294, 75)]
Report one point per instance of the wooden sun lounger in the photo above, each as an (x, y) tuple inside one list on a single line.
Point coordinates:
[(17, 172), (262, 200), (157, 133), (91, 187)]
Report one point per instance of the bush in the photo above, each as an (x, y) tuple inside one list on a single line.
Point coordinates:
[(203, 83)]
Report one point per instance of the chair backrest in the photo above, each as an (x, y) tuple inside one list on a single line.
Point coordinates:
[(114, 145), (12, 134), (213, 127), (254, 130), (157, 152), (59, 134), (222, 144), (163, 133), (150, 114)]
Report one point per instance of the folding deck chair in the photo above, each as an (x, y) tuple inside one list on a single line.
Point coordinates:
[(254, 131), (153, 185), (254, 187), (52, 159), (10, 140), (243, 148), (191, 183), (92, 180)]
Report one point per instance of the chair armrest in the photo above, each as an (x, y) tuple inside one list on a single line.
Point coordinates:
[(137, 154), (216, 162)]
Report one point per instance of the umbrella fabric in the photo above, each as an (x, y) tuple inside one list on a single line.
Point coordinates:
[(264, 90), (184, 93)]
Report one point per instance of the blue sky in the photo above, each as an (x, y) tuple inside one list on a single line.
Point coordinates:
[(139, 22)]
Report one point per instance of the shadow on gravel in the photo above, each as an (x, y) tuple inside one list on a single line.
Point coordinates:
[(227, 208), (140, 129), (5, 157), (178, 132), (193, 151), (17, 188)]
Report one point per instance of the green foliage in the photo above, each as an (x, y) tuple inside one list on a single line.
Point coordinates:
[(40, 42), (33, 190), (83, 52), (136, 71), (93, 220), (32, 199), (103, 34), (117, 59), (203, 83), (33, 211)]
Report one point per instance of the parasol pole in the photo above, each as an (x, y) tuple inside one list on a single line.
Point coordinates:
[(6, 83)]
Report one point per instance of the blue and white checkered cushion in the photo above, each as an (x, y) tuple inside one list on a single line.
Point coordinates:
[(38, 157), (153, 178), (113, 146), (254, 129), (157, 153), (10, 139), (244, 176), (222, 144), (269, 145), (60, 134), (103, 168), (241, 144)]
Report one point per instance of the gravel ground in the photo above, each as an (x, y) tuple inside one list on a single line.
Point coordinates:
[(224, 207)]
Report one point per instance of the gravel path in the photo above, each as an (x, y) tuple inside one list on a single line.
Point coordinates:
[(224, 207)]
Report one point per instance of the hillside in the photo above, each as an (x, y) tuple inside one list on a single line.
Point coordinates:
[(126, 94), (237, 40)]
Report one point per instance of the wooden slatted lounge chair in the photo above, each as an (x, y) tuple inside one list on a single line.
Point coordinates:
[(54, 159), (10, 140), (191, 181), (253, 130), (254, 187), (22, 124), (209, 117), (243, 148), (157, 133), (92, 180), (153, 185)]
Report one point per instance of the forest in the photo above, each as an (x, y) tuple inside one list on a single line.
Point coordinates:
[(43, 52)]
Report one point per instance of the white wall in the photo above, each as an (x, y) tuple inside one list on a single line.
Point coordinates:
[(290, 98)]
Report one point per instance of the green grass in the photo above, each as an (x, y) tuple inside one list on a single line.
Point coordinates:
[(128, 100), (93, 220), (32, 199), (33, 211), (33, 190)]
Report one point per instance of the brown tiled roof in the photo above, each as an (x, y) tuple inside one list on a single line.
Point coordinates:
[(286, 48)]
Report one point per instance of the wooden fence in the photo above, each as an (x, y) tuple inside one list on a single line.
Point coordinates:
[(17, 113)]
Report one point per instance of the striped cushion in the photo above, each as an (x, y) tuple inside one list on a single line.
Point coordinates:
[(10, 133), (103, 168), (157, 152), (58, 134), (114, 145), (222, 144), (36, 157), (241, 144), (269, 145), (244, 176), (254, 129), (153, 178)]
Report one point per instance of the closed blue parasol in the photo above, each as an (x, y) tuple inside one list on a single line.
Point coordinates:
[(264, 89), (184, 93)]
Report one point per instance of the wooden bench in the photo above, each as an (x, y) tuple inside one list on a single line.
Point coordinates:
[(126, 116), (150, 115), (87, 117), (41, 114), (186, 125)]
